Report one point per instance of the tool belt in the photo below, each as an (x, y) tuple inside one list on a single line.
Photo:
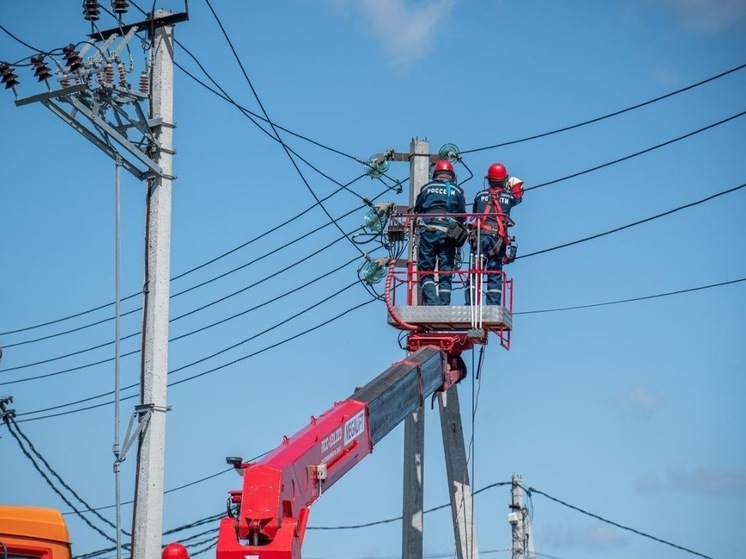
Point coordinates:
[(456, 234)]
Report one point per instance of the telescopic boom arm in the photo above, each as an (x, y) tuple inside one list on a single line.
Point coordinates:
[(270, 513)]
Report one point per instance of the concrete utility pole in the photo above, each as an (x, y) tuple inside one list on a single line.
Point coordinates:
[(147, 521), (522, 539), (414, 425), (451, 426), (108, 113), (464, 529)]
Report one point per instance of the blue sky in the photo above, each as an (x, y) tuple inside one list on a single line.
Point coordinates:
[(631, 411)]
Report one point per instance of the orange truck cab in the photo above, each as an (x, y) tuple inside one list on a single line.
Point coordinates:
[(33, 533)]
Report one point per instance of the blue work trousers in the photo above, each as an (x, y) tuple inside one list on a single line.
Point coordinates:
[(434, 249), (491, 262)]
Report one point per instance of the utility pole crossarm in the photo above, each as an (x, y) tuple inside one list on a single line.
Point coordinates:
[(106, 112)]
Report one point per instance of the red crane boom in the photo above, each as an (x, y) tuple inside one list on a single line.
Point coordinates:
[(271, 510)]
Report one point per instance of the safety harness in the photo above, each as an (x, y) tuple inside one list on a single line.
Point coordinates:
[(499, 218)]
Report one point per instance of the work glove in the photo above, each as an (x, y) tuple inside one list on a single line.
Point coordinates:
[(516, 187), (511, 251)]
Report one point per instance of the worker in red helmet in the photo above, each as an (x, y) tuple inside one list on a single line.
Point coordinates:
[(490, 243), (438, 198)]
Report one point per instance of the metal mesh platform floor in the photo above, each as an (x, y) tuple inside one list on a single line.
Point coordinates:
[(461, 317)]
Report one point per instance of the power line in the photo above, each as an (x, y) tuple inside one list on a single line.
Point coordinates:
[(214, 369), (701, 201), (183, 274), (530, 188), (647, 150), (667, 294), (565, 245), (468, 151), (15, 432), (635, 223), (307, 331), (612, 523), (222, 94), (616, 113), (195, 524), (646, 297), (24, 43), (274, 129), (396, 519), (222, 321), (224, 350), (166, 492)]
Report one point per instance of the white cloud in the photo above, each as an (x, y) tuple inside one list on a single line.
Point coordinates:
[(644, 399), (709, 481), (639, 403), (596, 536), (666, 77), (708, 16), (407, 30)]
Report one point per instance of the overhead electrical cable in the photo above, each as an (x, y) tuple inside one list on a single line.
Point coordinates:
[(250, 338), (227, 98), (195, 524), (214, 369), (187, 290), (274, 129), (642, 152), (166, 492), (634, 299), (179, 488), (564, 245), (709, 198), (564, 178), (223, 94), (604, 117), (24, 43), (396, 519), (642, 298), (635, 223), (277, 227), (222, 321), (12, 426), (269, 301), (615, 524), (183, 274), (573, 176)]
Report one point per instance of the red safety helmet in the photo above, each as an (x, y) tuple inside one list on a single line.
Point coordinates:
[(497, 172), (175, 551), (442, 166)]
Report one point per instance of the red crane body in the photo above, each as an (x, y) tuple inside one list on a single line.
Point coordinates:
[(270, 512), (277, 491)]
